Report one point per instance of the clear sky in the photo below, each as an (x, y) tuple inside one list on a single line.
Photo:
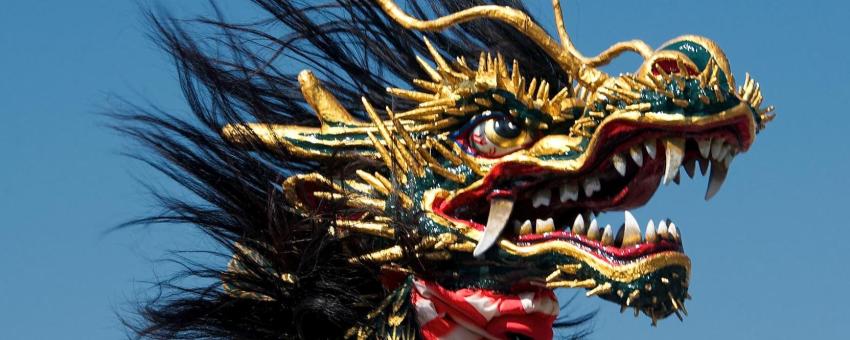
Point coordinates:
[(769, 252)]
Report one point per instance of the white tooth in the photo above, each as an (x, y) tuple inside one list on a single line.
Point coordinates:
[(728, 159), (524, 228), (715, 181), (631, 235), (544, 226), (675, 151), (593, 231), (651, 237), (619, 164), (690, 167), (724, 150), (716, 147), (662, 230), (500, 211), (637, 154), (569, 191), (607, 236), (542, 198), (591, 185), (704, 147), (674, 233), (578, 225), (650, 148)]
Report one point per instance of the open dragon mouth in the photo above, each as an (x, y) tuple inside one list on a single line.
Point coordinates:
[(541, 206)]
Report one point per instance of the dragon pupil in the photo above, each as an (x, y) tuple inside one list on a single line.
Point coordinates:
[(506, 128)]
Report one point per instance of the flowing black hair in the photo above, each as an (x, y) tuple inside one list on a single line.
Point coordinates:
[(246, 72)]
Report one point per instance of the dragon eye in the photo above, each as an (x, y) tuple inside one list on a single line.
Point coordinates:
[(498, 136)]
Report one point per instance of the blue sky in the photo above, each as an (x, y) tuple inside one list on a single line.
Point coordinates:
[(769, 251)]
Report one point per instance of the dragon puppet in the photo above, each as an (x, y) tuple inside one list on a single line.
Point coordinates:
[(429, 178)]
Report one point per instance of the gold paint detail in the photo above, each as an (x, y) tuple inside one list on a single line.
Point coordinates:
[(326, 106), (589, 283)]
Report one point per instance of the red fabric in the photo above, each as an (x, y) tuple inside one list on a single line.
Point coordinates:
[(472, 314)]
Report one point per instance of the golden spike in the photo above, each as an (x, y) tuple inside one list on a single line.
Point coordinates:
[(384, 180), (411, 95), (680, 65), (440, 170), (441, 63), (680, 102), (470, 162), (501, 67), (561, 95), (384, 255), (604, 288), (673, 300), (444, 240), (572, 284), (359, 186), (385, 155), (483, 102), (706, 72), (437, 255), (645, 83), (430, 86), (632, 297), (438, 125), (385, 134), (553, 276), (439, 102), (718, 95), (466, 247), (532, 88), (408, 149), (357, 202), (374, 182), (641, 107), (420, 112), (498, 98), (515, 76), (432, 73), (463, 110), (326, 106), (463, 67), (376, 229), (712, 80), (482, 63), (569, 268), (447, 154)]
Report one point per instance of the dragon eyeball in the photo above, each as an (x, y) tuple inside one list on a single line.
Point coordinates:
[(498, 136)]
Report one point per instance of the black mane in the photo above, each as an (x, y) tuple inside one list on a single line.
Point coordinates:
[(244, 73)]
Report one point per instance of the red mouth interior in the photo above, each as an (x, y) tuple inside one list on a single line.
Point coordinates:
[(521, 182)]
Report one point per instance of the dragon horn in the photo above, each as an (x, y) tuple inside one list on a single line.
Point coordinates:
[(569, 59)]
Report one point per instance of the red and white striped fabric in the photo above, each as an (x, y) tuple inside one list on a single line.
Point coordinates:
[(472, 314)]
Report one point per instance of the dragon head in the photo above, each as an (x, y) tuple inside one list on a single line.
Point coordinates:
[(498, 177)]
